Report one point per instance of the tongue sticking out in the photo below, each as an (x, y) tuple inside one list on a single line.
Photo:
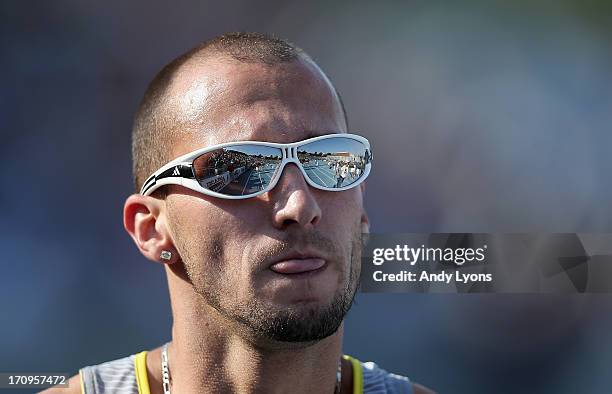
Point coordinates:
[(297, 266)]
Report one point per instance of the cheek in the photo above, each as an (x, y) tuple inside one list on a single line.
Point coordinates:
[(196, 231), (342, 222), (209, 236), (343, 211)]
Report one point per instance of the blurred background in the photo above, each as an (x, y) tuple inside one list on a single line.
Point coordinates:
[(485, 116)]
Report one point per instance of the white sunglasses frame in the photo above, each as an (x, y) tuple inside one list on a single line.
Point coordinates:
[(182, 168)]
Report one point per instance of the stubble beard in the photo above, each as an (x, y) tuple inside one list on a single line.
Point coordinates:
[(301, 324)]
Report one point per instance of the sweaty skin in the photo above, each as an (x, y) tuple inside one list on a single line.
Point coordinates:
[(221, 288)]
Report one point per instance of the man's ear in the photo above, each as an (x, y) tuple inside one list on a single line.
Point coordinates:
[(145, 220)]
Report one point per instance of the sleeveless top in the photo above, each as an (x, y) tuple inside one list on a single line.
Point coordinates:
[(128, 375)]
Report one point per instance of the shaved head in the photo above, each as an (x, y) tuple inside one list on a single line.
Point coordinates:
[(185, 94)]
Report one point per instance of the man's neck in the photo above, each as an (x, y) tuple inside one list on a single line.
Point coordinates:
[(207, 356), (200, 366)]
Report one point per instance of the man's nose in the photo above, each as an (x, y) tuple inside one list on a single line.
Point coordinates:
[(294, 201)]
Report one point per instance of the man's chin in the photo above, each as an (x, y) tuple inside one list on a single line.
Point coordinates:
[(306, 321), (299, 334), (301, 308)]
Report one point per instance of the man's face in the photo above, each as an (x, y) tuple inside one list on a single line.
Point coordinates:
[(228, 246)]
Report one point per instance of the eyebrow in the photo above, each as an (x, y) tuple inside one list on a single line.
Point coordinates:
[(307, 134), (312, 133)]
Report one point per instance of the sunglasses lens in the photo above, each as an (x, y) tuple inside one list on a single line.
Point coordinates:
[(237, 170), (335, 162)]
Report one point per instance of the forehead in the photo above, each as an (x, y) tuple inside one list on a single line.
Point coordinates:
[(222, 100)]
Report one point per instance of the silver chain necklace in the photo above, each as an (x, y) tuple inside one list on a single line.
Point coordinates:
[(166, 372)]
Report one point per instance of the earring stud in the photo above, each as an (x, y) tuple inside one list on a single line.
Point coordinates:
[(165, 255)]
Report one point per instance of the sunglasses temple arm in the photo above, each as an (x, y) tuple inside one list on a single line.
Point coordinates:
[(177, 171)]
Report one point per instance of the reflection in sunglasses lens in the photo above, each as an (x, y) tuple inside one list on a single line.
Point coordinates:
[(237, 170), (334, 162)]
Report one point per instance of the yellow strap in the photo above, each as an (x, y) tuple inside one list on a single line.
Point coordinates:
[(357, 374), (140, 366), (82, 383), (142, 380)]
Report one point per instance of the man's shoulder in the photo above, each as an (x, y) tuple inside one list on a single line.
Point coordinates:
[(119, 373), (377, 379)]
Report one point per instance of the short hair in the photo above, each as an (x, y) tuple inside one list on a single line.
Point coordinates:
[(150, 133)]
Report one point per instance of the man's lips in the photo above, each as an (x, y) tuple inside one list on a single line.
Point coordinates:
[(297, 265)]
